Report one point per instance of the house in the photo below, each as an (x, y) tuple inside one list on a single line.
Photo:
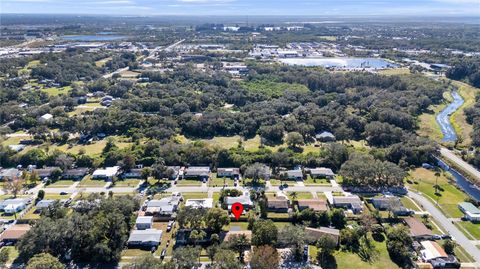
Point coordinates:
[(391, 203), (313, 234), (144, 222), (164, 207), (145, 238), (75, 173), (352, 202), (175, 171), (200, 203), (418, 230), (198, 172), (471, 212), (295, 174), (322, 172), (46, 172), (228, 172), (315, 204), (244, 200), (43, 204), (16, 148), (325, 137), (236, 69), (9, 174), (45, 118), (15, 205), (434, 254), (133, 173), (14, 233), (106, 174), (278, 204)]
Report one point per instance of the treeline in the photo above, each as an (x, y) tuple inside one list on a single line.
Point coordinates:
[(467, 70), (97, 235)]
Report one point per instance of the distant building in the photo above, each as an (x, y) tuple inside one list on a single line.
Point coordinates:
[(45, 118), (418, 230), (11, 206), (471, 212), (9, 174), (106, 174), (43, 204), (75, 173), (145, 238), (228, 172), (133, 173), (325, 137), (199, 172), (352, 202), (46, 172), (315, 204), (322, 172), (312, 235), (200, 203), (434, 254), (164, 207), (143, 223), (278, 204), (14, 233), (244, 200), (295, 174), (391, 203)]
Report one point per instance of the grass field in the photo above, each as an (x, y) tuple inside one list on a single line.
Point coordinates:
[(89, 182), (344, 259), (271, 88), (301, 195), (61, 184), (102, 62), (316, 181), (93, 149), (52, 196), (84, 108), (458, 119), (194, 195), (395, 71), (54, 91), (449, 197), (127, 182), (408, 203), (428, 126), (472, 229), (189, 182)]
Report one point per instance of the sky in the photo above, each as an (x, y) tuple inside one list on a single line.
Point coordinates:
[(247, 7)]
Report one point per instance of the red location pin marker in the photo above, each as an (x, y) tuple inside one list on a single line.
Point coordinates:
[(237, 209)]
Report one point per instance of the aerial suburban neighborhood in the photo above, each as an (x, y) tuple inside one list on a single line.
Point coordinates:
[(134, 140)]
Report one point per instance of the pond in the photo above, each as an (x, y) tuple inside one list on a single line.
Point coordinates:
[(443, 118), (377, 63), (99, 37)]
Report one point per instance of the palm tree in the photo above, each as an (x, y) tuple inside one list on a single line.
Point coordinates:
[(294, 195)]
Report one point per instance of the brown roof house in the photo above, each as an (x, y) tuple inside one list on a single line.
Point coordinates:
[(315, 204), (418, 230), (279, 203), (14, 233), (312, 234)]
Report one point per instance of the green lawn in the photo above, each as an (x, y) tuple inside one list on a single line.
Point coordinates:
[(52, 196), (408, 203), (128, 182), (449, 197), (472, 229), (94, 149), (13, 254), (271, 88), (89, 182), (194, 195), (346, 259), (54, 91), (61, 183), (317, 181), (301, 195), (214, 181), (462, 255), (189, 182), (31, 215)]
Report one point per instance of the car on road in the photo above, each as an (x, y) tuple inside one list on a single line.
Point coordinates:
[(63, 193), (170, 225), (164, 252)]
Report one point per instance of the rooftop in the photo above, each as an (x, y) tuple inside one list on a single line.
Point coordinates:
[(417, 228)]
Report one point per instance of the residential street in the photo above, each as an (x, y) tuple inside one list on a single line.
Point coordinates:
[(451, 156), (461, 239)]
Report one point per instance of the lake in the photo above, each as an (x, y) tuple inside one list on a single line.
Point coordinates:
[(340, 62), (443, 118), (99, 37)]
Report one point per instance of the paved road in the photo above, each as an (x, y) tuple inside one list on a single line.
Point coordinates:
[(451, 156), (118, 71), (447, 225)]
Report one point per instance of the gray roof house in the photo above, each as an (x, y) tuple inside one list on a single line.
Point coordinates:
[(228, 172), (9, 173), (352, 202), (45, 172), (322, 172), (244, 200), (295, 174), (75, 173), (145, 238), (163, 207), (200, 172), (391, 203), (144, 222)]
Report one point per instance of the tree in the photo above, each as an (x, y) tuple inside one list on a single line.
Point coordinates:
[(158, 169), (294, 237), (238, 243), (265, 257), (13, 186), (4, 256), (216, 218), (326, 245), (256, 172), (449, 246), (196, 235), (294, 139), (398, 244), (44, 261), (128, 162), (367, 220), (264, 233), (186, 257), (40, 195), (337, 218), (225, 259), (64, 161), (294, 195), (145, 262)]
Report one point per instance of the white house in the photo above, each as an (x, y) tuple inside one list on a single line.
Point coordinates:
[(107, 173), (143, 223), (471, 212), (200, 203), (45, 118), (145, 238), (13, 205)]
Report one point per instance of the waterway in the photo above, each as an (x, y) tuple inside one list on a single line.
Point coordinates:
[(443, 118), (462, 182), (376, 63)]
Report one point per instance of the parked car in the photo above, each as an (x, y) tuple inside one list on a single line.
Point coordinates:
[(164, 252), (170, 225)]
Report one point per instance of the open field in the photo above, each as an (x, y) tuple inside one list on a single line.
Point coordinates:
[(84, 108), (271, 88), (301, 195), (459, 122), (449, 196), (89, 182), (127, 182), (428, 126), (93, 149), (471, 230), (61, 184), (195, 195), (395, 71)]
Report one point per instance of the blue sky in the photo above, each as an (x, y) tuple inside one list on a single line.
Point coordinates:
[(247, 7)]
